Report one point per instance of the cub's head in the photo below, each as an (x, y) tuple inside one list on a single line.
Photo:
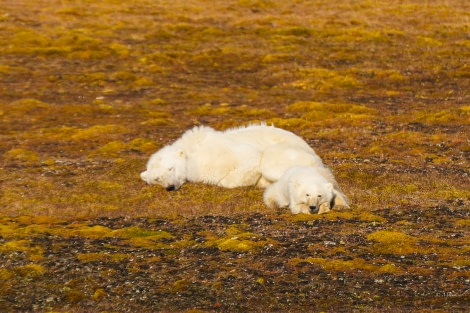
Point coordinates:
[(315, 197), (166, 167)]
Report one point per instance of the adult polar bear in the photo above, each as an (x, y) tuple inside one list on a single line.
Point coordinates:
[(204, 155)]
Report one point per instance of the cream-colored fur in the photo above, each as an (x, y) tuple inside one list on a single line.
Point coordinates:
[(302, 189), (204, 155)]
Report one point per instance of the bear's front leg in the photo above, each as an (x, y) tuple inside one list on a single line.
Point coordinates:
[(272, 198), (340, 202), (324, 208), (298, 208)]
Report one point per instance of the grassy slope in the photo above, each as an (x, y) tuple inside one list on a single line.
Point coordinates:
[(88, 90)]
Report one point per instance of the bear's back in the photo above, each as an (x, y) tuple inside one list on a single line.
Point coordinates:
[(263, 136)]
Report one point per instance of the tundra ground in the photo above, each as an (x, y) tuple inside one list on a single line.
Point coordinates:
[(89, 89)]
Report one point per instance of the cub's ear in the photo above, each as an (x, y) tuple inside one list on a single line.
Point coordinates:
[(181, 153), (143, 176), (329, 187)]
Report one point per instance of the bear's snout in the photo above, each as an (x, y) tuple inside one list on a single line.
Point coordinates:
[(171, 188), (313, 208)]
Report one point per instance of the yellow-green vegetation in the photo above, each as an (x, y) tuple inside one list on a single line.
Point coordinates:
[(238, 240), (30, 270), (393, 242), (99, 294), (242, 111), (95, 132), (348, 265), (90, 89), (333, 114), (347, 215), (321, 79)]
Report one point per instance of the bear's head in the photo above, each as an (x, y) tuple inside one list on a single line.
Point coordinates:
[(166, 167), (314, 197)]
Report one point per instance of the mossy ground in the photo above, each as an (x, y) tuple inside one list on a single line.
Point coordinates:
[(89, 89)]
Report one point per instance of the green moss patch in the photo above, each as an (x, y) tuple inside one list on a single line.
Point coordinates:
[(325, 80), (393, 242), (22, 156), (348, 265), (96, 131), (237, 240)]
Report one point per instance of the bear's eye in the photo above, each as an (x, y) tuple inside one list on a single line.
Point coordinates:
[(170, 169), (319, 196), (308, 195)]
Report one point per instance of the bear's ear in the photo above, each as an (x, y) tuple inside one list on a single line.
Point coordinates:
[(181, 154), (329, 187), (143, 176)]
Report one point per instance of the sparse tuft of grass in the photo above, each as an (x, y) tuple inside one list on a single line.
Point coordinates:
[(97, 131), (22, 156), (31, 271), (325, 80), (100, 256)]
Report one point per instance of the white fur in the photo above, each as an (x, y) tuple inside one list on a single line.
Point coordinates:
[(277, 159), (263, 136), (283, 149), (302, 189), (204, 155)]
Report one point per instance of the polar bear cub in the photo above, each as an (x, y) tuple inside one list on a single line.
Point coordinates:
[(204, 155), (301, 188), (277, 159)]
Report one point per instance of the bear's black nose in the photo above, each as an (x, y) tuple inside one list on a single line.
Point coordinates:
[(313, 209), (170, 188)]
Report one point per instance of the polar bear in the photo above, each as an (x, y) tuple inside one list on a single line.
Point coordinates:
[(277, 159), (259, 136), (204, 155), (302, 189), (263, 136)]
